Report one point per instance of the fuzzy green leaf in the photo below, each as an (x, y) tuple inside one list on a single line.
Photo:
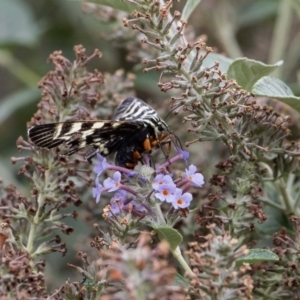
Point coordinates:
[(117, 4), (257, 255), (277, 89), (246, 71), (169, 234), (189, 8)]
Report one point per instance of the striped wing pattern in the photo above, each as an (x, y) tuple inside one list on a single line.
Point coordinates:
[(134, 121), (104, 135), (134, 109)]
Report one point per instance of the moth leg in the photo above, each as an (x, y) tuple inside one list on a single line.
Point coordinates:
[(169, 147)]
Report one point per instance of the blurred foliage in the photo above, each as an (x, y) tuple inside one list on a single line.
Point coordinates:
[(31, 30)]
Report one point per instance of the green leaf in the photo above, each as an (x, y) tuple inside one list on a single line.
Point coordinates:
[(213, 57), (17, 23), (117, 4), (169, 234), (257, 255), (189, 8), (180, 280), (247, 71), (275, 88)]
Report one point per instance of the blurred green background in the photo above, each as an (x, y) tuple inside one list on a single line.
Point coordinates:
[(30, 30)]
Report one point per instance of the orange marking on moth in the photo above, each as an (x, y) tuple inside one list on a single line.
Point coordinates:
[(147, 145), (136, 155), (154, 142), (131, 165)]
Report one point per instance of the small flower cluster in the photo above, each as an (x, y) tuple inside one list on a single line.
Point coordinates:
[(162, 186), (175, 192)]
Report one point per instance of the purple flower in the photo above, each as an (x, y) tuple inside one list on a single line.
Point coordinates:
[(138, 206), (97, 190), (115, 208), (184, 154), (131, 174), (113, 184), (117, 201), (196, 179), (143, 179), (180, 200), (101, 165), (160, 180), (121, 201), (165, 192)]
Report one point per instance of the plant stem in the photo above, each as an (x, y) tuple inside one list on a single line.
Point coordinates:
[(17, 68), (31, 238), (178, 255), (271, 203), (281, 33), (225, 25), (287, 201), (159, 214)]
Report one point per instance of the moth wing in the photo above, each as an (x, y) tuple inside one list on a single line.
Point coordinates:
[(134, 109), (105, 135)]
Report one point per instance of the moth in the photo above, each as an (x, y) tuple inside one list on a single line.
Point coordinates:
[(135, 130)]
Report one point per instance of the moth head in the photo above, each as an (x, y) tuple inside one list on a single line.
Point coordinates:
[(162, 127)]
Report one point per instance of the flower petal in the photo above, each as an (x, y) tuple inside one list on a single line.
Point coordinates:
[(97, 191), (101, 165), (198, 179)]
